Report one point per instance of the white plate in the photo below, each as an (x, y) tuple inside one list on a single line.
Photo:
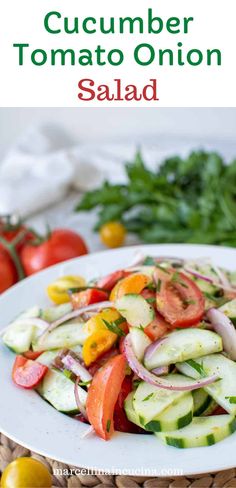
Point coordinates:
[(30, 421)]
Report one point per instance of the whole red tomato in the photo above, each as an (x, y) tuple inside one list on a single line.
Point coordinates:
[(8, 274), (61, 245), (16, 232)]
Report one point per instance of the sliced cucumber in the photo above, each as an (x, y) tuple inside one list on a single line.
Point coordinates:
[(146, 270), (184, 344), (132, 416), (202, 403), (58, 390), (224, 390), (176, 416), (48, 357), (140, 341), (135, 309), (19, 336), (203, 431), (150, 401), (67, 335), (229, 309), (32, 312), (51, 314)]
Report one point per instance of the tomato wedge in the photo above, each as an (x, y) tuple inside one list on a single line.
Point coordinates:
[(87, 297), (157, 328), (179, 300), (103, 394), (121, 423), (108, 282), (27, 373), (32, 354)]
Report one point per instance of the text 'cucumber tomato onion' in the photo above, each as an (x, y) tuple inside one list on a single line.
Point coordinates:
[(150, 348)]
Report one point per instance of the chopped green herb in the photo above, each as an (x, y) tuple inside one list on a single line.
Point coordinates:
[(93, 345), (84, 383), (148, 397), (114, 326), (162, 268), (158, 286), (108, 425), (67, 373), (149, 261), (136, 383), (151, 300), (232, 399), (176, 278), (189, 302), (198, 367), (151, 287)]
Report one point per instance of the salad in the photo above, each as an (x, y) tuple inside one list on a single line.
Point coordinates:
[(149, 349)]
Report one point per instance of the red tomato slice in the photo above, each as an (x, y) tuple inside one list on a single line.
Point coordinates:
[(87, 297), (109, 281), (121, 423), (32, 354), (157, 328), (27, 373), (103, 394), (219, 411), (180, 301)]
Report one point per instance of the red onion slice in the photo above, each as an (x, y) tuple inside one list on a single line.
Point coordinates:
[(195, 273), (76, 313), (76, 367), (149, 377), (225, 328), (222, 276), (150, 350), (161, 370), (79, 404)]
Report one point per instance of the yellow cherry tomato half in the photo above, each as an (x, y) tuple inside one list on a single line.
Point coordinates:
[(58, 291), (133, 283), (96, 322), (26, 472), (97, 344), (112, 234)]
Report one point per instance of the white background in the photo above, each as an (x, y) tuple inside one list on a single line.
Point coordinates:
[(214, 27), (88, 125)]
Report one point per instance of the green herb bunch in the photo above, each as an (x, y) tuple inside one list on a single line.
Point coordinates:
[(189, 200)]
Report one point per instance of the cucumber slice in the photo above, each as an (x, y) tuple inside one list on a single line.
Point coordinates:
[(176, 416), (19, 336), (140, 341), (222, 390), (132, 416), (135, 309), (184, 344), (146, 270), (51, 314), (48, 357), (67, 335), (203, 431), (229, 309), (202, 403), (32, 312), (58, 390), (150, 401)]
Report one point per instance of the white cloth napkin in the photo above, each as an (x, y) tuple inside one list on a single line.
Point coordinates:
[(45, 164)]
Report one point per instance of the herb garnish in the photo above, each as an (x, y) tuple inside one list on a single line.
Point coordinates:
[(148, 397), (151, 300), (149, 261), (198, 367), (176, 278), (190, 199), (158, 285), (108, 425), (114, 326), (232, 399)]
